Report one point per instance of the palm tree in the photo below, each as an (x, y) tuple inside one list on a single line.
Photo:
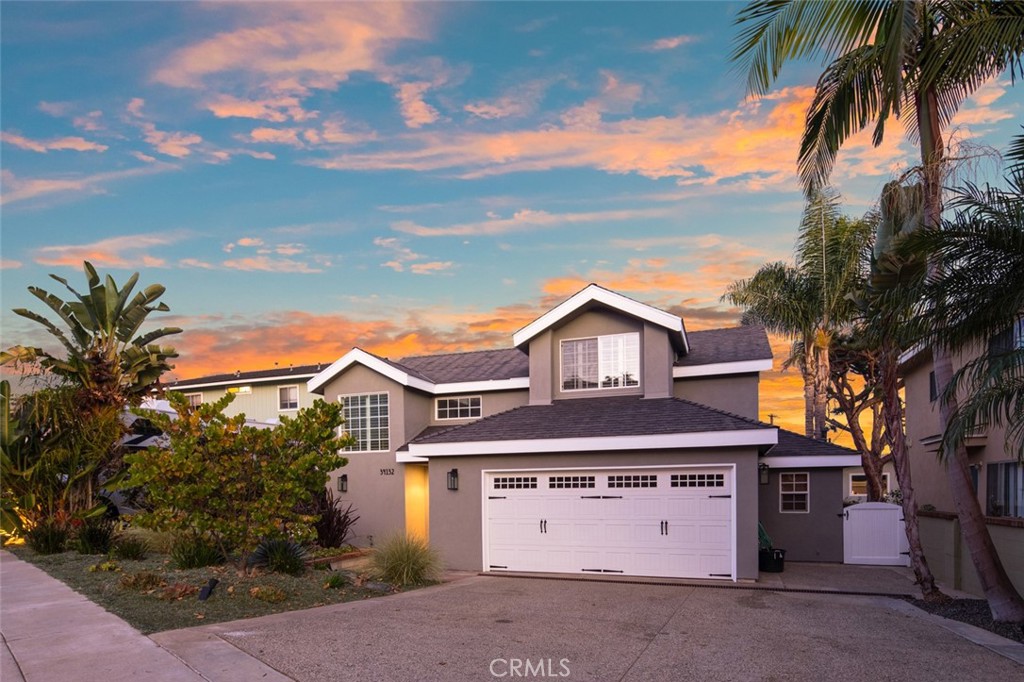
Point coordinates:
[(809, 302), (917, 61), (104, 359)]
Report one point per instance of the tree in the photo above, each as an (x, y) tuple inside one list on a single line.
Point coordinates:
[(237, 484), (808, 302), (917, 61), (105, 360)]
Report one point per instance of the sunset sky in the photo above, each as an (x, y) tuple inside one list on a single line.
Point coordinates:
[(410, 179)]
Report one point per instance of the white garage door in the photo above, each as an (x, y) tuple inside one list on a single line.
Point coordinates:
[(647, 522)]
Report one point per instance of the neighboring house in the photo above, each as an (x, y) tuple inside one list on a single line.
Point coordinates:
[(608, 439), (997, 476), (263, 395)]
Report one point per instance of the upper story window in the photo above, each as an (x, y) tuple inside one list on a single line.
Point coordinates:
[(194, 399), (366, 420), (611, 361), (1005, 489), (933, 387), (288, 398), (459, 408), (1011, 339)]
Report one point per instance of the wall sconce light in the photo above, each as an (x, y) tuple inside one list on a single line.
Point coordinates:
[(453, 479), (343, 483), (762, 473)]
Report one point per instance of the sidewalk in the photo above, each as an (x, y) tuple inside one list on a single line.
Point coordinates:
[(50, 633)]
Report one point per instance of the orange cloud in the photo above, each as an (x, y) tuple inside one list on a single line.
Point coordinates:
[(78, 144), (430, 268), (526, 219), (520, 100), (176, 144), (267, 264), (127, 251), (273, 109), (21, 189), (671, 43), (416, 112), (8, 264)]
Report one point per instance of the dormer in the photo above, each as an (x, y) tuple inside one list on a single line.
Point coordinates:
[(600, 343)]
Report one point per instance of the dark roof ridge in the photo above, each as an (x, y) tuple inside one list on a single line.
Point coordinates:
[(463, 352), (801, 436)]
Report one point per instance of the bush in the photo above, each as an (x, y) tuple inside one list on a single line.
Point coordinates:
[(48, 537), (158, 541), (336, 581), (130, 548), (141, 581), (268, 593), (279, 556), (195, 551), (335, 524), (94, 536), (406, 560)]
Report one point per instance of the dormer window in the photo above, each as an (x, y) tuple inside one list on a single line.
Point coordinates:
[(601, 362)]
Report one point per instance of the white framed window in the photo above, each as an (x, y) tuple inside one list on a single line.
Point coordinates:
[(611, 361), (857, 484), (794, 492), (366, 420), (194, 399), (459, 408), (288, 398)]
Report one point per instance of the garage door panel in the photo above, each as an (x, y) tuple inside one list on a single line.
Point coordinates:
[(674, 523)]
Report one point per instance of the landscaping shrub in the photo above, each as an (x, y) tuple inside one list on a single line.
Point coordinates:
[(130, 548), (94, 536), (336, 581), (335, 524), (105, 567), (158, 541), (406, 560), (268, 593), (141, 581), (177, 592), (279, 556), (48, 537), (195, 551)]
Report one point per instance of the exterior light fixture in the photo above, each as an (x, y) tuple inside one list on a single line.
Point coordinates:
[(453, 479), (762, 473), (343, 483)]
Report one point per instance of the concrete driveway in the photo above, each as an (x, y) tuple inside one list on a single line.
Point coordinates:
[(486, 628)]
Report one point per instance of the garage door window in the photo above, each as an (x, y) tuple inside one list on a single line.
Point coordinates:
[(794, 492), (698, 480), (633, 481), (515, 482), (571, 482)]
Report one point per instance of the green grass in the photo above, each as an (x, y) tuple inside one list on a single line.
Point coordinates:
[(149, 610)]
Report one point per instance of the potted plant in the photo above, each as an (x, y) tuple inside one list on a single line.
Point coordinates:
[(769, 559)]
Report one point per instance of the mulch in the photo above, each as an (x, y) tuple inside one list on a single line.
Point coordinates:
[(973, 612)]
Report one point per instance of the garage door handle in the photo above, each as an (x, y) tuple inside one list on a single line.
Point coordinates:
[(600, 497), (722, 497), (664, 527)]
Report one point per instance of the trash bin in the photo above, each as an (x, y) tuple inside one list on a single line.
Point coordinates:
[(771, 560)]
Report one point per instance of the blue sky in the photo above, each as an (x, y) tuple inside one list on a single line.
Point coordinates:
[(406, 178)]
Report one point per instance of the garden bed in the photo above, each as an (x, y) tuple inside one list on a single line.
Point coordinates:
[(973, 612), (166, 598)]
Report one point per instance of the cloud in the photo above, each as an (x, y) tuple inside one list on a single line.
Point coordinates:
[(176, 144), (396, 250), (430, 268), (56, 109), (75, 143), (21, 189), (671, 43), (196, 263), (89, 121), (134, 106), (127, 251), (267, 264), (526, 219), (616, 97), (520, 100), (536, 24), (287, 136), (9, 264), (143, 157), (274, 109), (416, 112), (250, 241)]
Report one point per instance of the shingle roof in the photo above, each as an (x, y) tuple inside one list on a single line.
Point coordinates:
[(794, 445), (484, 365), (594, 417), (239, 377), (733, 344)]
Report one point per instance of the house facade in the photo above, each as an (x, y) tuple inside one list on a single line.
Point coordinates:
[(606, 440), (997, 475), (264, 395)]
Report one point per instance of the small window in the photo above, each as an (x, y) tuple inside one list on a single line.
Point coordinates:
[(794, 492), (240, 390), (194, 399), (633, 481), (515, 482), (1005, 489), (571, 482), (933, 388), (459, 408), (698, 481), (859, 484), (288, 398)]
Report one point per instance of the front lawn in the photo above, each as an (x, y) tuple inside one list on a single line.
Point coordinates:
[(153, 596)]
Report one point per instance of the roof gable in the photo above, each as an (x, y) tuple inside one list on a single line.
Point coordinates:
[(594, 294)]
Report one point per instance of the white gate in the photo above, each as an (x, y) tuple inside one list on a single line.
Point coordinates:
[(875, 533)]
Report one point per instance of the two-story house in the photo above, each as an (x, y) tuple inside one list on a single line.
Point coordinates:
[(264, 395), (997, 475), (607, 439)]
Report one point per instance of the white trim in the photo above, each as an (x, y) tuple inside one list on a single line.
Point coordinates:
[(849, 482), (718, 368), (706, 439), (811, 461), (360, 356), (182, 386), (912, 352), (601, 295), (807, 493), (288, 409), (484, 385)]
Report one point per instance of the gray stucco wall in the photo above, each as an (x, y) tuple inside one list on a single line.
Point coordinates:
[(456, 518), (814, 536), (592, 323), (733, 393), (490, 403)]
